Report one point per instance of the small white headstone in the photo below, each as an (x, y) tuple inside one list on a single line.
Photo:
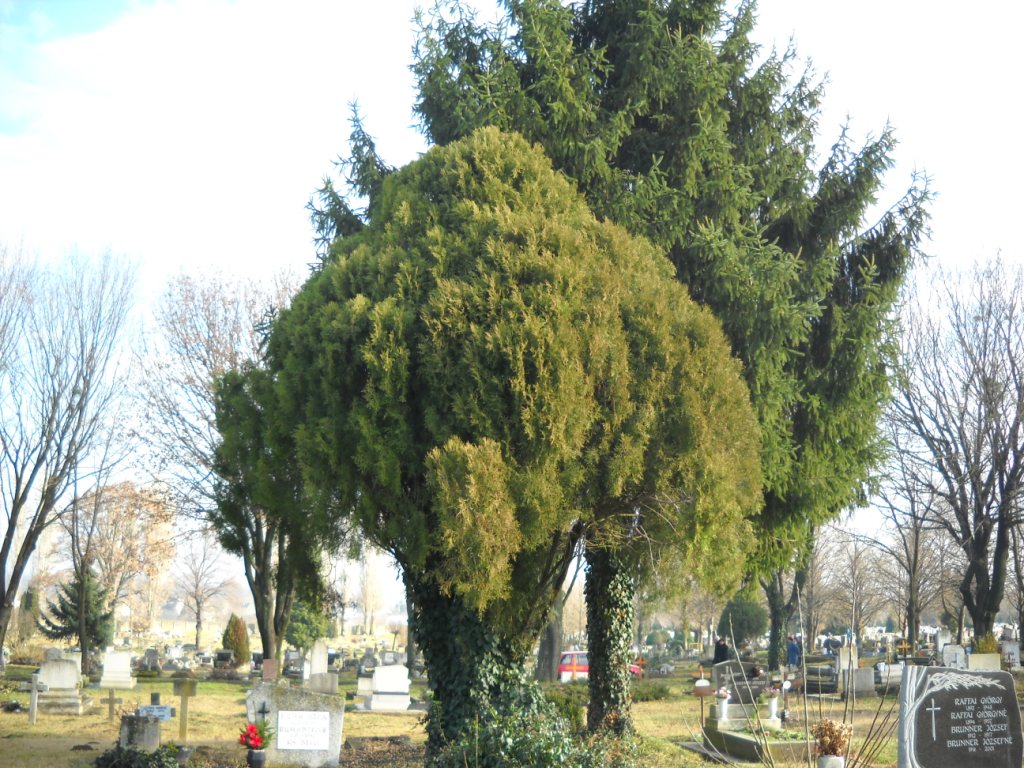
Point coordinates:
[(390, 688), (60, 674), (954, 657), (117, 670), (318, 657), (1011, 653)]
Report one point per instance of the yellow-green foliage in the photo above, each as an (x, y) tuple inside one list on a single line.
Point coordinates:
[(487, 365)]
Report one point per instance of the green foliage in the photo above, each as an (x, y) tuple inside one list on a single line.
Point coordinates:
[(307, 625), (650, 690), (743, 618), (674, 124), (524, 730), (126, 757), (60, 621), (657, 637), (236, 638), (484, 367), (570, 701), (987, 643)]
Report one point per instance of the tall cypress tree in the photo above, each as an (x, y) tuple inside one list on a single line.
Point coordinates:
[(671, 126)]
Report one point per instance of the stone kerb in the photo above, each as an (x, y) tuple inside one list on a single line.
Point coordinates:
[(307, 725), (117, 671), (966, 719)]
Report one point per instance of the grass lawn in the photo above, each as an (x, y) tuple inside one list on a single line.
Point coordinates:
[(218, 712)]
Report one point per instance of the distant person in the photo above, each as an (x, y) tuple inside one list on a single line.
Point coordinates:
[(721, 651), (793, 653)]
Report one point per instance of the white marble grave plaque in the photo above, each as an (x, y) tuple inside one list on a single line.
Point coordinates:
[(303, 730)]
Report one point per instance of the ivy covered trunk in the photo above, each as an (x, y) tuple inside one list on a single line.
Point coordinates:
[(471, 667), (610, 589), (777, 615)]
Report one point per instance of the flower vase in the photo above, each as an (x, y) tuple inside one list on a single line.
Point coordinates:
[(257, 758), (831, 761), (773, 706), (723, 709)]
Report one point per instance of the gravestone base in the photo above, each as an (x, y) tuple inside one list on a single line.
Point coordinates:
[(389, 702), (66, 702)]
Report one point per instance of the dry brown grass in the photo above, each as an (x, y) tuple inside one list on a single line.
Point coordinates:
[(218, 712)]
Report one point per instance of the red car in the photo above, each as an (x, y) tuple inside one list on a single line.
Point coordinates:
[(575, 665)]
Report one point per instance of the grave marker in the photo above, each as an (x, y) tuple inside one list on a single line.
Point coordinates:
[(318, 658), (110, 701), (959, 718), (117, 670), (954, 656), (308, 725), (184, 688), (33, 697)]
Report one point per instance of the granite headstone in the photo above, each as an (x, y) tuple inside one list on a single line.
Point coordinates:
[(951, 717)]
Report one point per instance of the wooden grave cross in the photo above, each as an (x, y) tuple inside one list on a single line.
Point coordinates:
[(110, 701), (185, 688), (33, 697)]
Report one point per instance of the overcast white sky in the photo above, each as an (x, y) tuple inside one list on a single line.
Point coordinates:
[(189, 134)]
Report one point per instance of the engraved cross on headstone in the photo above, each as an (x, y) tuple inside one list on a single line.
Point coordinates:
[(33, 698), (263, 710), (933, 709)]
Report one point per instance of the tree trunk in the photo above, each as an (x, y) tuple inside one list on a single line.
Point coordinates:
[(610, 590), (83, 629), (913, 612), (777, 615), (472, 669), (550, 645), (411, 650)]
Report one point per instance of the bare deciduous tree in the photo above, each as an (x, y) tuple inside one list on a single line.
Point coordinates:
[(131, 537), (208, 327), (59, 377), (200, 579), (961, 398)]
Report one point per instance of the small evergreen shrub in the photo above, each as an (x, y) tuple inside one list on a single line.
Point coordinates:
[(650, 690), (121, 757)]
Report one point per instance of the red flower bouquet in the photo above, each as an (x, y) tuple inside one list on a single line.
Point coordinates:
[(255, 735)]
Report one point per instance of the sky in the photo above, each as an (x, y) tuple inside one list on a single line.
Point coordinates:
[(188, 135)]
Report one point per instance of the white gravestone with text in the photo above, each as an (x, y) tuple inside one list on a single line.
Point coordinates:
[(307, 725)]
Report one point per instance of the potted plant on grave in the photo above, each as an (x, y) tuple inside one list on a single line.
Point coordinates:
[(831, 740), (256, 737)]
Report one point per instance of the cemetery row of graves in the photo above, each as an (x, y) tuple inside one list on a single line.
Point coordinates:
[(953, 707)]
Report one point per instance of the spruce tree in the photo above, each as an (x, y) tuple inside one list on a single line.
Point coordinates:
[(60, 620)]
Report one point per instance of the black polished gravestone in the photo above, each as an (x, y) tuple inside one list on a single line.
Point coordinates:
[(959, 719)]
